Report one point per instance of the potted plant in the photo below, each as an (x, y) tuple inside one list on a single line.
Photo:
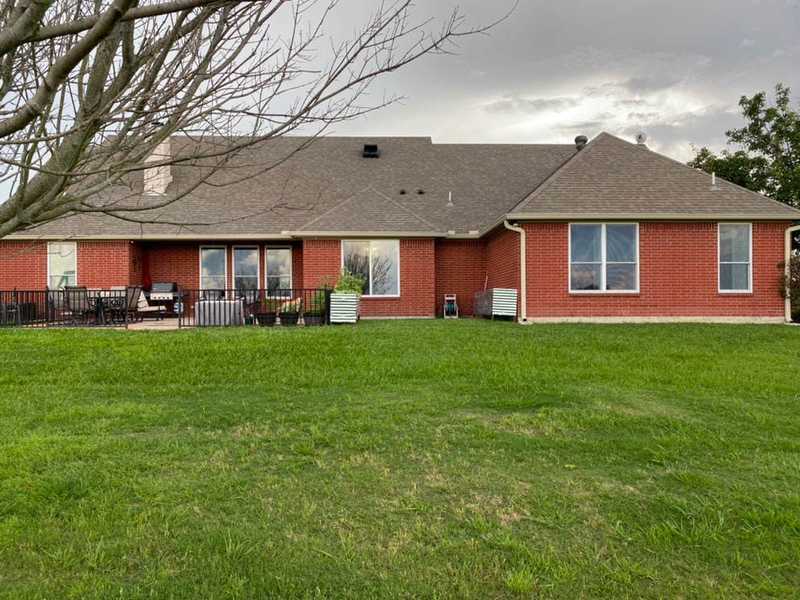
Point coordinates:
[(290, 312), (314, 311), (267, 312), (345, 298)]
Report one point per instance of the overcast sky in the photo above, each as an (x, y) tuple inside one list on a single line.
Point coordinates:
[(558, 68)]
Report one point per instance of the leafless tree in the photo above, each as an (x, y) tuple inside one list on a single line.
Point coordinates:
[(90, 88)]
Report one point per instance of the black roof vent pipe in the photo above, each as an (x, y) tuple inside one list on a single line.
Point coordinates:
[(371, 151), (581, 141)]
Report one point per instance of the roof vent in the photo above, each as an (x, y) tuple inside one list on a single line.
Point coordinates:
[(581, 141), (371, 151), (420, 192)]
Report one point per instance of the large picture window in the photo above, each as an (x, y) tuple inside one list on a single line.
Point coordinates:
[(735, 257), (377, 262), (213, 268), (279, 271), (62, 265), (604, 257), (245, 268)]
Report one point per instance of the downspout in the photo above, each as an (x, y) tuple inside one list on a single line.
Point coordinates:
[(523, 283), (787, 260)]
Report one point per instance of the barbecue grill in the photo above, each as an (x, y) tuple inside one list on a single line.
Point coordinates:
[(164, 292)]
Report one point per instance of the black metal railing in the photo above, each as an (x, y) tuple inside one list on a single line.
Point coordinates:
[(70, 307), (264, 308)]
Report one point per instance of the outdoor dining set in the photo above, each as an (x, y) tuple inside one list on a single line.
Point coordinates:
[(77, 306)]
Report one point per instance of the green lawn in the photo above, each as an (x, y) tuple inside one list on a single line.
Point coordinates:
[(404, 459)]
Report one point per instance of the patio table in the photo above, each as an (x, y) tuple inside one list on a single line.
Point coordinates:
[(101, 302)]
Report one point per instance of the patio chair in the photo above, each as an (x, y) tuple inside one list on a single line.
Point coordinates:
[(77, 304), (8, 314), (56, 308), (144, 310), (132, 295)]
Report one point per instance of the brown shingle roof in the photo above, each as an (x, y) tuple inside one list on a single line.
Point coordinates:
[(329, 183), (289, 187), (612, 178)]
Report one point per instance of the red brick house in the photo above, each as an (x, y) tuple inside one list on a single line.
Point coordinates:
[(603, 230)]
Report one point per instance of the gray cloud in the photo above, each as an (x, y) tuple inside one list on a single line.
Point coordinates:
[(644, 116), (530, 105), (675, 70)]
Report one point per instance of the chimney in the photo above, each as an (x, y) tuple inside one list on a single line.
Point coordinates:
[(580, 142), (156, 179)]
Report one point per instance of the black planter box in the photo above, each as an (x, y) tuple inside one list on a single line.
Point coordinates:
[(289, 318), (313, 318), (266, 319)]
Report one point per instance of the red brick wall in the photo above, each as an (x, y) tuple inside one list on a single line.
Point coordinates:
[(678, 270), (502, 261), (297, 265), (678, 266), (104, 263), (23, 265), (460, 270), (179, 262), (136, 264), (322, 262)]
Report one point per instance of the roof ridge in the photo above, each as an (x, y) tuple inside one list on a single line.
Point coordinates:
[(758, 195), (334, 207), (555, 175)]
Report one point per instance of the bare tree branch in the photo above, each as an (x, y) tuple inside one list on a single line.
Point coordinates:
[(88, 91)]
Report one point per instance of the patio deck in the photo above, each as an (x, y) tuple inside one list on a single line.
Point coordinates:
[(169, 324)]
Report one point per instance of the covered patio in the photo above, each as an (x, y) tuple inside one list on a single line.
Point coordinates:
[(129, 307)]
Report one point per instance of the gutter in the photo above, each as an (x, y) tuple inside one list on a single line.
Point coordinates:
[(147, 237), (643, 216), (787, 259), (364, 234), (523, 275)]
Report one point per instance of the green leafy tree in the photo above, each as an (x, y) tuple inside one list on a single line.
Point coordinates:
[(768, 158), (737, 167)]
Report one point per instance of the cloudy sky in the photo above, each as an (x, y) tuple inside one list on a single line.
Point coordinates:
[(673, 69)]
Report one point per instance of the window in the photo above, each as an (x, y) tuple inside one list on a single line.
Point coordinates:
[(604, 257), (245, 268), (377, 262), (279, 271), (213, 268), (62, 265), (735, 257)]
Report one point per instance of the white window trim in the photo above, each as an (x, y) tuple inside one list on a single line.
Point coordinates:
[(75, 252), (291, 265), (233, 263), (200, 263), (399, 289), (749, 289), (603, 262)]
